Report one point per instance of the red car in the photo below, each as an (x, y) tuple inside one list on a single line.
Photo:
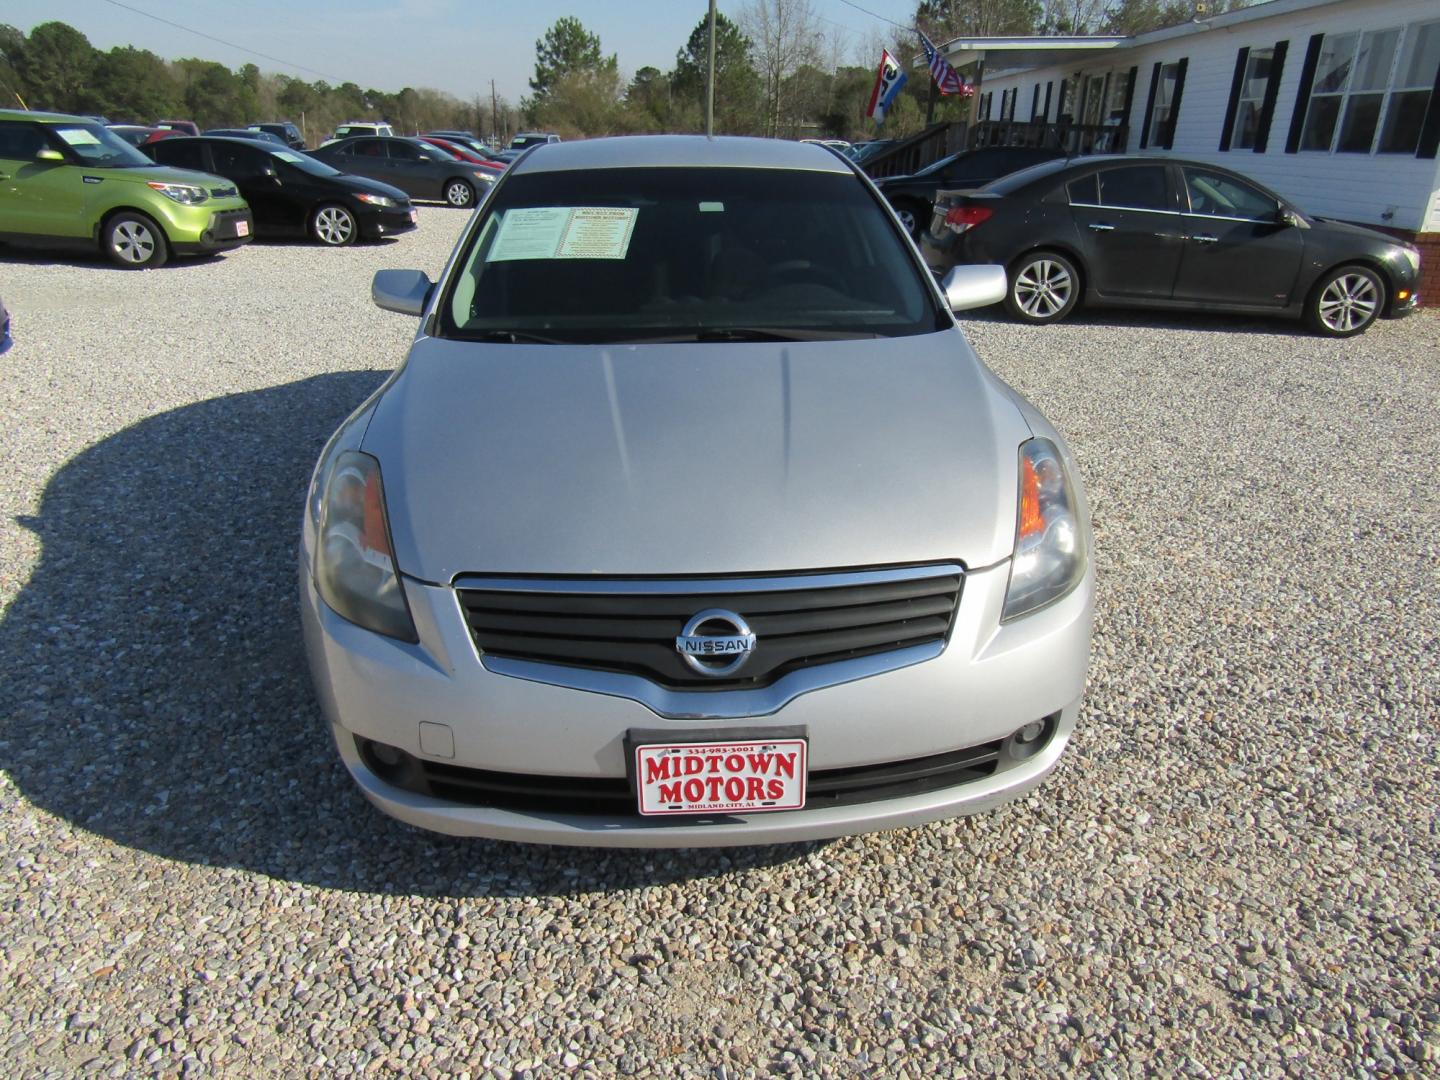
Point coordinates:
[(465, 155), (184, 127), (140, 135)]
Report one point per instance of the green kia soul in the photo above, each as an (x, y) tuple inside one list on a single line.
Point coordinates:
[(66, 181)]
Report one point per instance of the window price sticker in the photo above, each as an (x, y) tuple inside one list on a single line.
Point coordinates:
[(560, 232)]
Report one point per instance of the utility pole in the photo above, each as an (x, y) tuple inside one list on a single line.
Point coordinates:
[(710, 80), (494, 115)]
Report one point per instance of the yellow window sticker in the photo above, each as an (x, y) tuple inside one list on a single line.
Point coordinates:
[(78, 136)]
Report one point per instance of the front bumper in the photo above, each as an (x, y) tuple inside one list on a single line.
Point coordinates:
[(376, 223), (990, 681), (210, 231), (1400, 308)]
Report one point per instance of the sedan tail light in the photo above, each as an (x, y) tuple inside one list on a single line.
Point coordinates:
[(961, 218)]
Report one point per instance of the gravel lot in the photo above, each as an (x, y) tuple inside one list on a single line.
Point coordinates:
[(1234, 872)]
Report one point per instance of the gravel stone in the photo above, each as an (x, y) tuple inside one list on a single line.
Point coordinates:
[(1233, 871)]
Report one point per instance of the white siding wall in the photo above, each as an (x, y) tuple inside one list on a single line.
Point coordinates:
[(1356, 187)]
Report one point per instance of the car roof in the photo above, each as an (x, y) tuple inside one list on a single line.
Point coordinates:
[(253, 144), (685, 151), (46, 117)]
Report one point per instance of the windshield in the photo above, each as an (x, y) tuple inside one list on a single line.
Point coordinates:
[(522, 141), (944, 162), (305, 163), (1016, 180), (684, 254), (434, 153), (98, 147)]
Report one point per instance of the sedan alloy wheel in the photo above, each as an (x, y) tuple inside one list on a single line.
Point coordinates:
[(1347, 301), (334, 226), (459, 193), (1044, 288)]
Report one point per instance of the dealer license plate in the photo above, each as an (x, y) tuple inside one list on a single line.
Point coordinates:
[(242, 228), (720, 778)]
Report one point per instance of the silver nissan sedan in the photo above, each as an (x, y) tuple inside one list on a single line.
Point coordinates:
[(692, 519)]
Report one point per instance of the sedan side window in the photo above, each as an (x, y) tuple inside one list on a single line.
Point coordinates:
[(237, 161), (403, 151), (181, 153), (1224, 196), (1136, 187), (373, 148), (1085, 191)]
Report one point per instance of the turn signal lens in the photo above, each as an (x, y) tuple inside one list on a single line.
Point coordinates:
[(1032, 520), (355, 569), (1050, 558)]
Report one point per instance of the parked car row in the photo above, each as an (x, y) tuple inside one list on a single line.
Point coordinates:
[(142, 196)]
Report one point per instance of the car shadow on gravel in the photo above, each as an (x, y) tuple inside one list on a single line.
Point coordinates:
[(1159, 320), (155, 685), (22, 256)]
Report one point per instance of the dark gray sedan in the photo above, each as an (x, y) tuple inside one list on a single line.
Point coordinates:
[(415, 167), (1165, 233)]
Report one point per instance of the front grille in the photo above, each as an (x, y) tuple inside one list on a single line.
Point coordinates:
[(630, 627), (224, 192), (615, 797)]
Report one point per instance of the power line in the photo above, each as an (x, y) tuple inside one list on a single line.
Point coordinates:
[(228, 44), (866, 11)]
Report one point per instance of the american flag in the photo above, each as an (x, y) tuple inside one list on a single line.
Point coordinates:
[(945, 76)]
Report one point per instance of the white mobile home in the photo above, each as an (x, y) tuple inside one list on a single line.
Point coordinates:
[(1335, 104)]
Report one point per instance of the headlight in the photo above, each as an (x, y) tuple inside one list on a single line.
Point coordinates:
[(488, 177), (375, 200), (1412, 256), (1049, 557), (185, 194), (354, 563)]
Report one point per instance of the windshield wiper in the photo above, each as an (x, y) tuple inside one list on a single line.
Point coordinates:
[(751, 333), (512, 337)]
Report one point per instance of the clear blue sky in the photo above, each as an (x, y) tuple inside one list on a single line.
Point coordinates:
[(454, 45)]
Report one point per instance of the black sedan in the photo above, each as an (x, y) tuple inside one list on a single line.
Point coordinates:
[(292, 194), (1163, 233), (415, 167), (245, 133), (914, 196)]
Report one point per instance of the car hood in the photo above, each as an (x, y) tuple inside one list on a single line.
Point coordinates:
[(696, 459), (1344, 228)]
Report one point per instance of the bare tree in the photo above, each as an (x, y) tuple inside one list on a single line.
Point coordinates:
[(1072, 16), (786, 39)]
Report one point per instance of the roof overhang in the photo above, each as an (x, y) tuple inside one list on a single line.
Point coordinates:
[(1017, 53)]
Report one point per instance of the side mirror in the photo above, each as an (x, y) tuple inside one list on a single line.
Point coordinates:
[(268, 169), (967, 287), (403, 291), (1287, 217), (54, 156)]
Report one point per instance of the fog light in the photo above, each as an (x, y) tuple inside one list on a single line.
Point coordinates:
[(1403, 294), (1030, 732), (1026, 742), (386, 755)]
